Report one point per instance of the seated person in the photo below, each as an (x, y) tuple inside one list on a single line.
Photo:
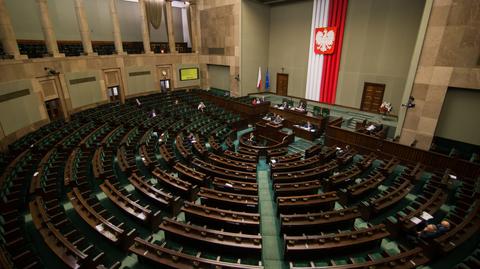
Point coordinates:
[(254, 102), (251, 139), (278, 119), (176, 102), (308, 126), (301, 106), (371, 127), (283, 105), (433, 231), (161, 138), (191, 139), (201, 106), (262, 100), (257, 101), (269, 116), (154, 114), (374, 127), (138, 102)]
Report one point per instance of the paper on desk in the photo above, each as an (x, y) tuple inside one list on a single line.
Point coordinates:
[(426, 216), (415, 220)]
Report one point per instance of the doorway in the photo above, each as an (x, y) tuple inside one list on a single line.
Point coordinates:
[(53, 97), (282, 84), (54, 109), (164, 85), (114, 85), (113, 93), (372, 97)]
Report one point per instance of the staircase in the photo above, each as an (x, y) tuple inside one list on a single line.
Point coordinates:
[(354, 118)]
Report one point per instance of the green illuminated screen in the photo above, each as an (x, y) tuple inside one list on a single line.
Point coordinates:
[(189, 73)]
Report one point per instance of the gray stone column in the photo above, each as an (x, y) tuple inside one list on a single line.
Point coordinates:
[(83, 27), (47, 29), (145, 30), (7, 35), (116, 27), (169, 20), (193, 26)]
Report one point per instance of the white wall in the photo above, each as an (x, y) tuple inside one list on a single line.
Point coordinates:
[(458, 120), (288, 45), (86, 93), (142, 83), (26, 21), (255, 21), (20, 112), (219, 76), (378, 44)]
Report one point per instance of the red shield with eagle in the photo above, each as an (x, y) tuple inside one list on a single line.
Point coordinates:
[(325, 40)]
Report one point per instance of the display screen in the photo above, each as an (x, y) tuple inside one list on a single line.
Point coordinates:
[(189, 73)]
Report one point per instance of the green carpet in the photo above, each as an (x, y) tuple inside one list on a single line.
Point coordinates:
[(272, 242)]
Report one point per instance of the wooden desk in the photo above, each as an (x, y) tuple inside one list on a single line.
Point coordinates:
[(241, 157), (159, 196), (386, 199), (191, 175), (292, 117), (241, 187), (227, 200), (386, 149), (295, 165), (346, 177), (177, 185), (306, 203), (409, 259), (297, 188), (270, 132), (214, 170), (297, 224), (249, 245), (232, 164), (221, 218), (431, 199), (306, 134), (178, 259), (342, 242), (322, 171)]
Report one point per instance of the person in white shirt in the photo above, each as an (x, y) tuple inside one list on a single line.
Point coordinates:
[(278, 119), (251, 139), (201, 106), (371, 128), (308, 126)]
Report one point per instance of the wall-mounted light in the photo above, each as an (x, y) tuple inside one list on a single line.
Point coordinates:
[(51, 71), (237, 77)]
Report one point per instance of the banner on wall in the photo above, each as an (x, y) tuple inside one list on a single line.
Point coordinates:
[(325, 40)]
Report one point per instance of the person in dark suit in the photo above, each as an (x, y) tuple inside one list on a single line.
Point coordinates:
[(434, 231)]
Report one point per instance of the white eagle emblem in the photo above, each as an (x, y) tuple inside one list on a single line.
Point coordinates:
[(324, 40)]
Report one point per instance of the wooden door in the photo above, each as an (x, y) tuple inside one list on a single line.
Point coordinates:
[(52, 90), (372, 97), (114, 85), (282, 84)]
